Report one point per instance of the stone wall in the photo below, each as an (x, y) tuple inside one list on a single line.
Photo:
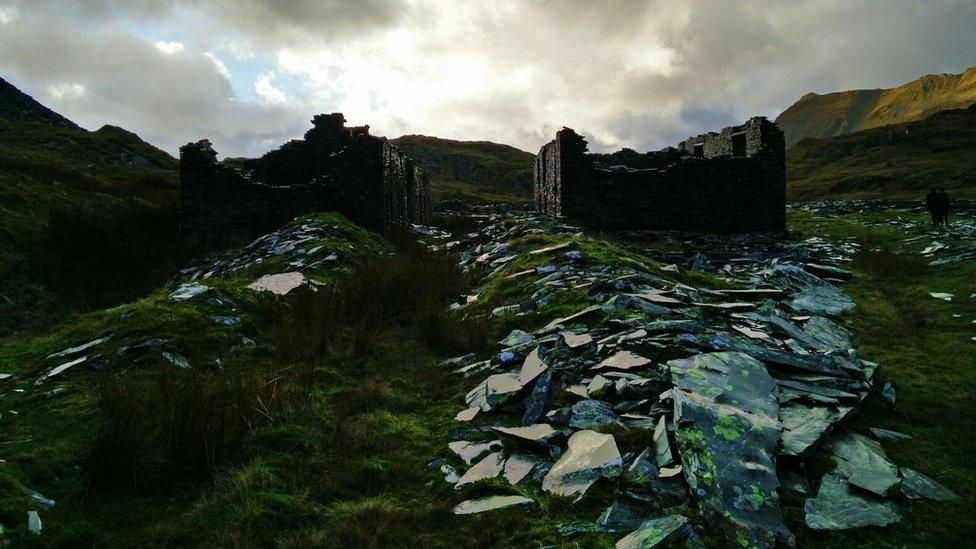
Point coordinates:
[(729, 181), (334, 168)]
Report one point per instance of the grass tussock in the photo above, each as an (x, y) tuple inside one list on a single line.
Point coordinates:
[(455, 224), (409, 290), (884, 263), (98, 259), (172, 428)]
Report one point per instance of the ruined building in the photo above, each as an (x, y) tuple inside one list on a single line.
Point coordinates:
[(334, 168), (727, 182)]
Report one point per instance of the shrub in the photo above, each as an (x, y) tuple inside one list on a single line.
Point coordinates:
[(455, 224), (409, 290), (166, 429), (98, 258), (887, 264)]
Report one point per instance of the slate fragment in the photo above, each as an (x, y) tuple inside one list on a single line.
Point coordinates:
[(618, 518), (278, 284), (491, 503), (623, 360), (490, 466), (188, 291), (726, 424), (915, 485), (804, 426), (469, 451), (540, 434), (838, 507), (535, 403), (592, 414), (520, 466), (656, 531), (864, 463), (588, 457)]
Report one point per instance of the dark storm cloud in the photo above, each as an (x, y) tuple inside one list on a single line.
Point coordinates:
[(117, 78), (628, 73)]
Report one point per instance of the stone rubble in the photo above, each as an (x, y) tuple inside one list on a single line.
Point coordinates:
[(940, 245), (288, 253), (728, 389), (297, 246)]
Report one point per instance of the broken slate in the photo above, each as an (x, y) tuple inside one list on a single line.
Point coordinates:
[(915, 485), (726, 423), (655, 532), (491, 503), (187, 291), (838, 507), (489, 467), (589, 456)]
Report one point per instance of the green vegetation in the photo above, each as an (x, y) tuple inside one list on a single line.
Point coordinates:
[(87, 220), (897, 161), (321, 434), (926, 352), (475, 171)]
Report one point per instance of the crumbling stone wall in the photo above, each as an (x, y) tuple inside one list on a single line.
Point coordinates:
[(728, 182), (334, 168)]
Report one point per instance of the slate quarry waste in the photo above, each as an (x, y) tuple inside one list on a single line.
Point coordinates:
[(290, 253), (729, 389)]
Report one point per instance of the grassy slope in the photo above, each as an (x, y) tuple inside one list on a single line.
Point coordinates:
[(928, 355), (888, 162), (344, 463), (48, 442), (104, 178), (832, 114), (480, 171)]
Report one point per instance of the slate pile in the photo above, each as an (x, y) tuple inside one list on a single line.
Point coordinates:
[(939, 245), (290, 243), (728, 389), (299, 246)]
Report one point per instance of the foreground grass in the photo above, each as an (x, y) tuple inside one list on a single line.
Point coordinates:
[(926, 348), (321, 436)]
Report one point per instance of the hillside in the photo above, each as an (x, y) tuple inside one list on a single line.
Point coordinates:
[(896, 161), (480, 171), (17, 106), (86, 218), (844, 112)]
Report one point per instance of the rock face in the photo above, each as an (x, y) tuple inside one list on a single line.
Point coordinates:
[(731, 181), (726, 421), (334, 168)]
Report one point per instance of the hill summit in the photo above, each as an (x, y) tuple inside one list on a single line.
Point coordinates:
[(843, 112)]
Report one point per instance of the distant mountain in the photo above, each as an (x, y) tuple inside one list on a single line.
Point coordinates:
[(845, 112), (87, 219), (894, 161), (478, 171), (17, 106)]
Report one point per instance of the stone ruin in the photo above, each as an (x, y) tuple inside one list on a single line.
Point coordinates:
[(334, 168), (733, 181)]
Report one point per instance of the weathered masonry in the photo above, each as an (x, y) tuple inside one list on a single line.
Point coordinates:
[(728, 182), (334, 168)]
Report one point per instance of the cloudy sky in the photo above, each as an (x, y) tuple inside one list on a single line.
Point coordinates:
[(249, 74)]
